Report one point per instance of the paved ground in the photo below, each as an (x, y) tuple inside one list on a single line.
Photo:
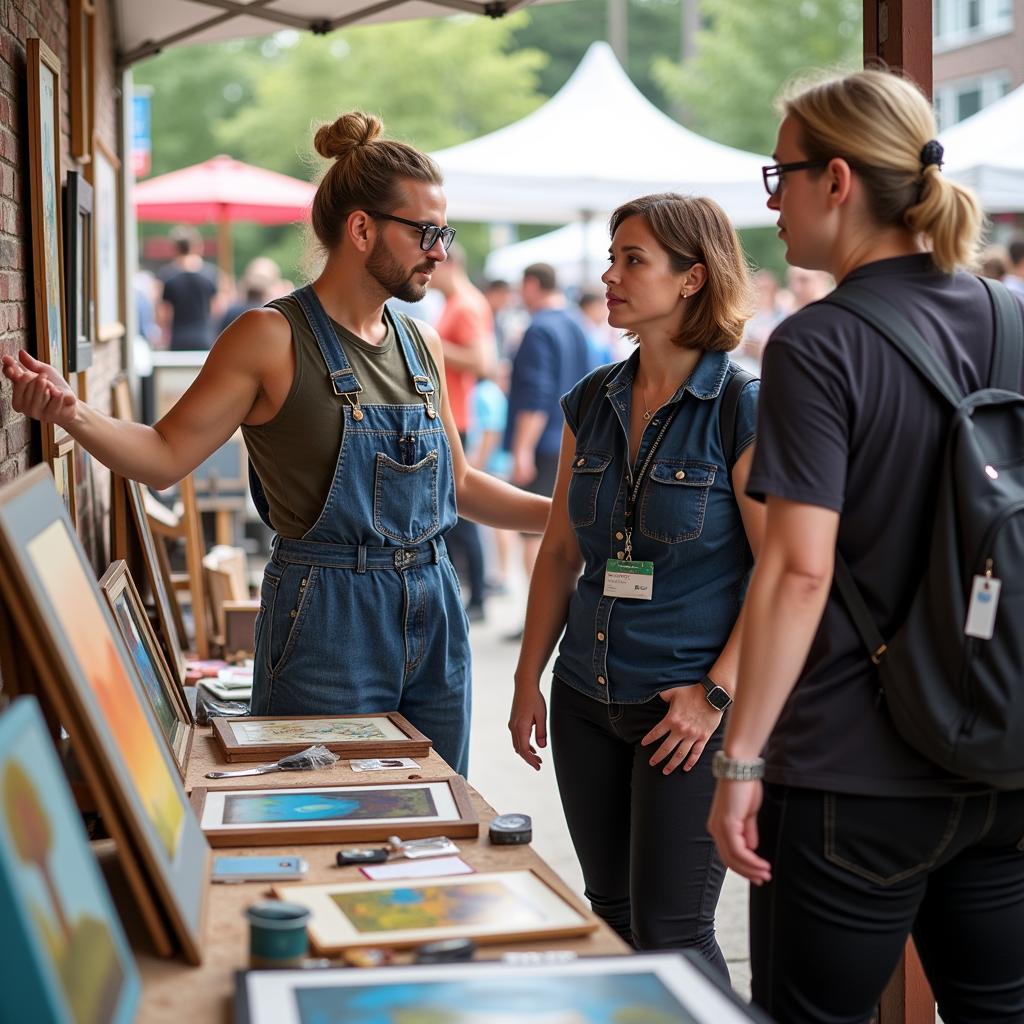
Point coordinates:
[(510, 785)]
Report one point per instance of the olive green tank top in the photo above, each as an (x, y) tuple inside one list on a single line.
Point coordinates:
[(295, 453)]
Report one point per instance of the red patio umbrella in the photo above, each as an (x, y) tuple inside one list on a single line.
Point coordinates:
[(219, 191)]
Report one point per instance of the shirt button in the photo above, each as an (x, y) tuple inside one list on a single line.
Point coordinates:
[(581, 462), (619, 535), (680, 475), (620, 554), (600, 636), (601, 680)]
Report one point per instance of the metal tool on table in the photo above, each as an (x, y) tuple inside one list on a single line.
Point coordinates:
[(311, 758)]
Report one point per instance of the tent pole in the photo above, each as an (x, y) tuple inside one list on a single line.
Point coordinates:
[(586, 216), (225, 258)]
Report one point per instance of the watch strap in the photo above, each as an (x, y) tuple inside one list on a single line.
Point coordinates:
[(735, 770)]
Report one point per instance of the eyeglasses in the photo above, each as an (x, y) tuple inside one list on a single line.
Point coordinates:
[(772, 175), (429, 233)]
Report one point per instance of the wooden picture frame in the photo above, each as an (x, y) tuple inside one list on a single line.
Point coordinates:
[(79, 279), (637, 986), (335, 814), (66, 957), (62, 465), (165, 693), (89, 681), (385, 735), (81, 44), (106, 180), (491, 906), (129, 517)]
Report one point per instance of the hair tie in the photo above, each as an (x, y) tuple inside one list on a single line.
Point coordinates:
[(931, 153)]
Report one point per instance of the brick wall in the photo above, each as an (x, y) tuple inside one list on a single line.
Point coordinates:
[(47, 19)]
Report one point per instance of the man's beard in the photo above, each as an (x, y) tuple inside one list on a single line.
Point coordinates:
[(393, 277)]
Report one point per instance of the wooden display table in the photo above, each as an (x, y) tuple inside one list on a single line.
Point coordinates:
[(173, 991)]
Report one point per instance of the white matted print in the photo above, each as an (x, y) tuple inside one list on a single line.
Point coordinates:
[(241, 810), (314, 730), (495, 906), (596, 990)]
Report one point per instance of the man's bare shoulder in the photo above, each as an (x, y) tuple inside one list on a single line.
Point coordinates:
[(257, 335)]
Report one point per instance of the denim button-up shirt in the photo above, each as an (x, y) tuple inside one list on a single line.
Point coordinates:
[(686, 522)]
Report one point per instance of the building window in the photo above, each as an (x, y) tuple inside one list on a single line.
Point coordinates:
[(962, 22), (959, 99)]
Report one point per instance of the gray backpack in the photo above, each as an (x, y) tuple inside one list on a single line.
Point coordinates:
[(959, 699)]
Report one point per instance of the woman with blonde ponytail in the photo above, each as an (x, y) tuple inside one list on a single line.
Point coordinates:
[(852, 839), (356, 461)]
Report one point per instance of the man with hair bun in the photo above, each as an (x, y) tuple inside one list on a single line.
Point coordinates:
[(356, 459)]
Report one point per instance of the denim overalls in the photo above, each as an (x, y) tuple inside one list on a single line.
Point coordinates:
[(363, 613)]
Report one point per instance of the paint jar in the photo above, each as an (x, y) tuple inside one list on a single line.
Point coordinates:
[(277, 934)]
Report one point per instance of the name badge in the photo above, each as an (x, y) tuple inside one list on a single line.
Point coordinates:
[(629, 579), (981, 610)]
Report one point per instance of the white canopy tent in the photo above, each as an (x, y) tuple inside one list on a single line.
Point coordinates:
[(986, 151), (595, 144), (562, 249)]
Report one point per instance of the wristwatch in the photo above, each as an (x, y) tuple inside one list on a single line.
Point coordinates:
[(735, 770), (717, 696)]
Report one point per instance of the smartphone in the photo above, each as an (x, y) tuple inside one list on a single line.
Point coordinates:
[(258, 869)]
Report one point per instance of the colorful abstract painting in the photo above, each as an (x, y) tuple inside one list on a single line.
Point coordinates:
[(351, 805)]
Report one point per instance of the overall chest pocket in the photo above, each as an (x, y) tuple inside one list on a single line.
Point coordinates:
[(674, 499), (587, 473), (405, 498)]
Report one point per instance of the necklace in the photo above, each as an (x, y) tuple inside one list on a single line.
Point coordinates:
[(648, 411)]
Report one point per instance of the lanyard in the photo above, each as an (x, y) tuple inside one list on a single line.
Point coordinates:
[(636, 483)]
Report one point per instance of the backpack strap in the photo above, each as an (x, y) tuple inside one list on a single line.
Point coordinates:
[(595, 382), (1009, 347), (728, 410), (857, 607), (885, 318)]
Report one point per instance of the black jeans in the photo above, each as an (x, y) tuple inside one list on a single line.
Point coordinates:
[(650, 867), (853, 876)]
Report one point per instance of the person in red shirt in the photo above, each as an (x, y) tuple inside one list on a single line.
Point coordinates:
[(466, 328)]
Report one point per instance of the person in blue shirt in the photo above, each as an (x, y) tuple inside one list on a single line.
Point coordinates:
[(643, 565)]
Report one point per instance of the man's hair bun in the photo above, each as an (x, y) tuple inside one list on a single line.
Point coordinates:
[(350, 132)]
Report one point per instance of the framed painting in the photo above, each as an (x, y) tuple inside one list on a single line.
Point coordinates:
[(499, 906), (165, 693), (88, 679), (62, 465), (65, 955), (80, 18), (334, 814), (267, 738), (105, 171), (79, 251), (645, 987), (129, 517), (44, 171)]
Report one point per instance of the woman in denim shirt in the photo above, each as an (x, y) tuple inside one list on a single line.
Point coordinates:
[(641, 682)]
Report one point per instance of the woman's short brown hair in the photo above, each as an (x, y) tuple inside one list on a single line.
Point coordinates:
[(693, 229)]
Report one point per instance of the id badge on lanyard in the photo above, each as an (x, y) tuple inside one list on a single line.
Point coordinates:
[(624, 577)]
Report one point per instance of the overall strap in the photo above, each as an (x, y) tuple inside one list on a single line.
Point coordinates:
[(423, 384), (343, 378), (1009, 348)]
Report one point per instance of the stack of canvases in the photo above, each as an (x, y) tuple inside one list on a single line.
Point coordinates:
[(97, 668)]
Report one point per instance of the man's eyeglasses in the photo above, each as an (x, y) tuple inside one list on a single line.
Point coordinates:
[(772, 175), (429, 233)]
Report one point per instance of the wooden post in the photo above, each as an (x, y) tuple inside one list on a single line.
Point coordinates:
[(899, 32), (907, 998)]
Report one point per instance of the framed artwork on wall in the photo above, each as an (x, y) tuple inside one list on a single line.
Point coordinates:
[(498, 906), (165, 693), (79, 253), (335, 814), (268, 738), (62, 464), (105, 172), (65, 954), (80, 32), (89, 681)]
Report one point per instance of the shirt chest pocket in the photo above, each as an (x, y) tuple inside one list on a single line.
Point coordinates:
[(674, 499), (587, 473)]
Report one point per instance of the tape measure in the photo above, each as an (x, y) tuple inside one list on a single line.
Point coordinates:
[(511, 830)]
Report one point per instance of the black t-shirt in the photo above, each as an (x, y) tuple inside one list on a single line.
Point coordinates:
[(189, 293), (846, 423)]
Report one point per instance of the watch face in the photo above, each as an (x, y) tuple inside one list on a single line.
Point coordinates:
[(719, 698)]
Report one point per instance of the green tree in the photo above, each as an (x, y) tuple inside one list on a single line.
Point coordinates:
[(746, 52)]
